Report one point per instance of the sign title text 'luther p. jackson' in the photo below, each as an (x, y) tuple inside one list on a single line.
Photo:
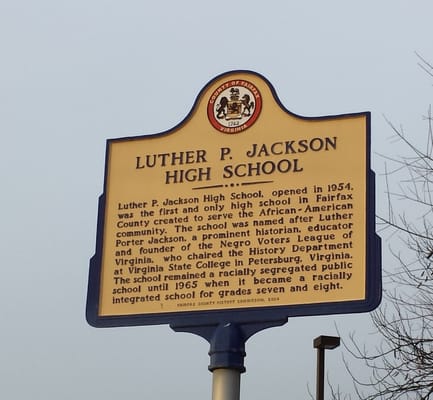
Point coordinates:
[(185, 159)]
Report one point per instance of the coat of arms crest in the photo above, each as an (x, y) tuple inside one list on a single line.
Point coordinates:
[(234, 108)]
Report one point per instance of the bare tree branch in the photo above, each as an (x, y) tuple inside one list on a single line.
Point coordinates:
[(401, 364)]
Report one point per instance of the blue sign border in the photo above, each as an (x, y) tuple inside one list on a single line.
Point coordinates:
[(203, 322)]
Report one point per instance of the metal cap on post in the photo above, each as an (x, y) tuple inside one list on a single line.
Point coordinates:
[(227, 353), (227, 348), (322, 343)]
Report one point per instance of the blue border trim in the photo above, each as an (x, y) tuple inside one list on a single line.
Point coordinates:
[(204, 323)]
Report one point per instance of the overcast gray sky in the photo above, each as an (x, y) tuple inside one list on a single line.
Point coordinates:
[(75, 73)]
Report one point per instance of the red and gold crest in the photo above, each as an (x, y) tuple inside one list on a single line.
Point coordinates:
[(234, 106)]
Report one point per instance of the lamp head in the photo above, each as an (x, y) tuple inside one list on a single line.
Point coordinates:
[(326, 342)]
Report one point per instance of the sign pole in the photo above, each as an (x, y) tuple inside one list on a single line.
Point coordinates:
[(226, 384), (227, 352)]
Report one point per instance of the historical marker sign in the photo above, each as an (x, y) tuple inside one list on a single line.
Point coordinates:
[(242, 211)]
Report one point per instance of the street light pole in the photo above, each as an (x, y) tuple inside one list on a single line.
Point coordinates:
[(322, 343)]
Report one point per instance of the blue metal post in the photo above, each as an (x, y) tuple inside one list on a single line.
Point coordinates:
[(227, 353)]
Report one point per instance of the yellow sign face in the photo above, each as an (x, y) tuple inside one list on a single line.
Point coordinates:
[(242, 205)]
